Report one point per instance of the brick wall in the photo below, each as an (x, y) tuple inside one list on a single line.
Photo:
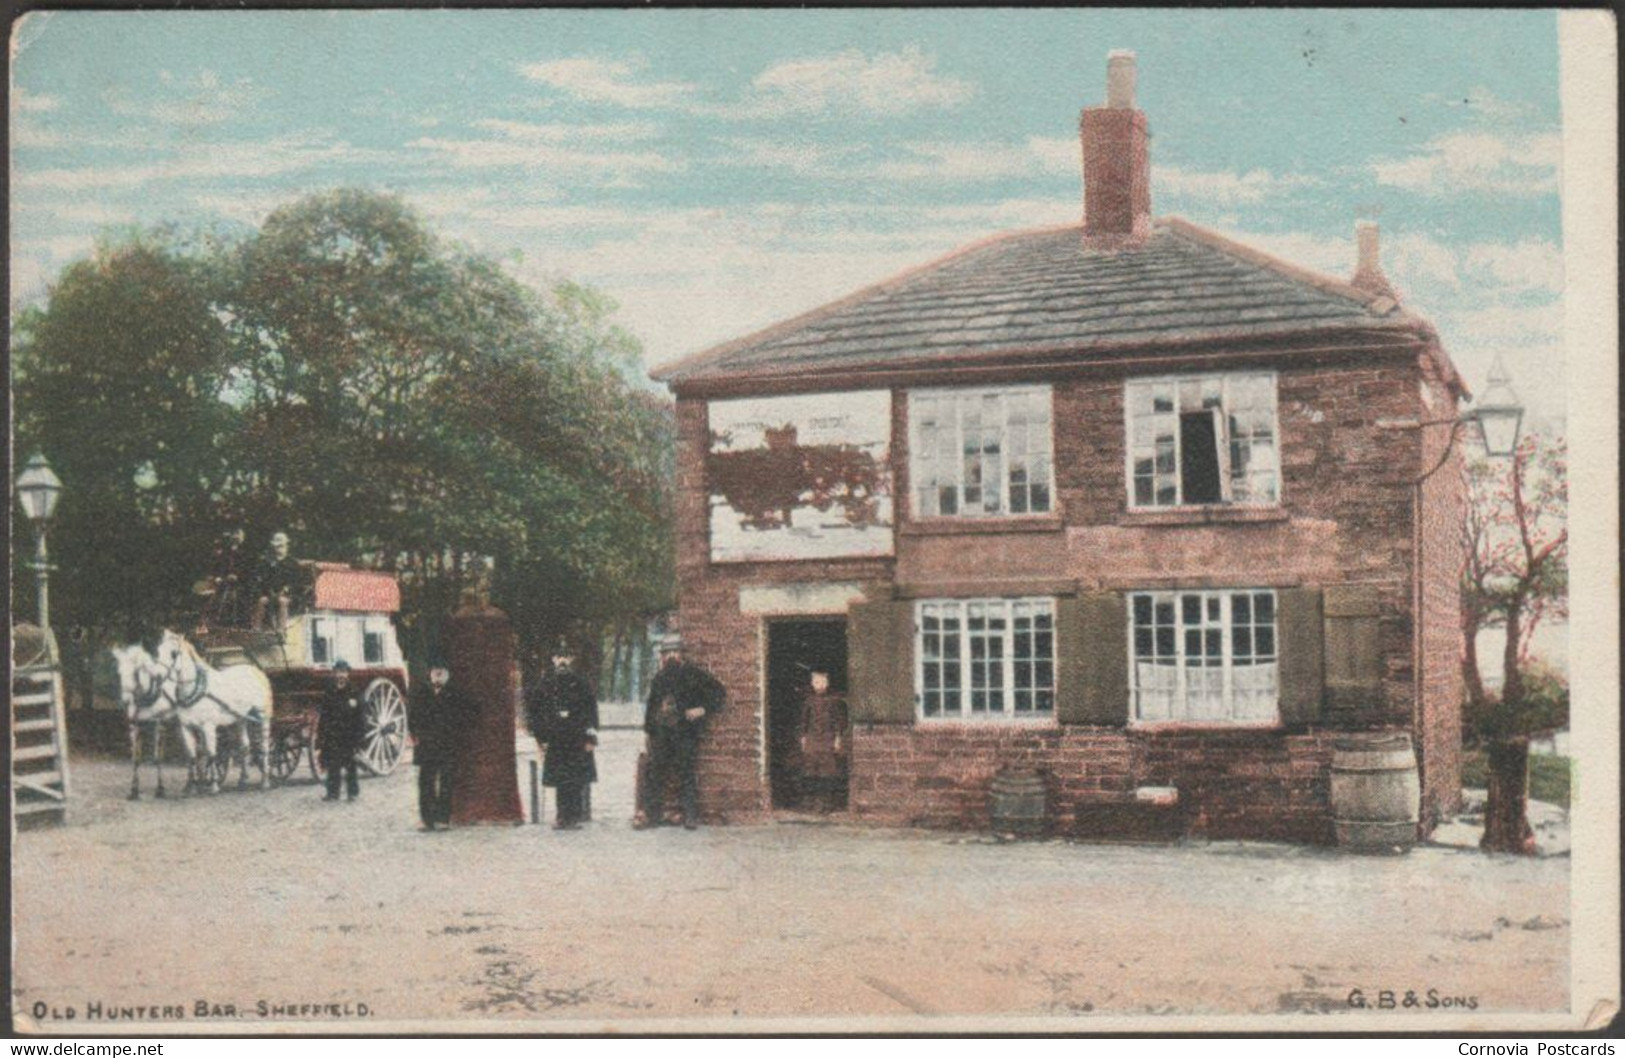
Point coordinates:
[(1444, 497), (1261, 785), (1346, 517)]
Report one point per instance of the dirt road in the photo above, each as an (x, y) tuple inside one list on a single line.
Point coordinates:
[(275, 898)]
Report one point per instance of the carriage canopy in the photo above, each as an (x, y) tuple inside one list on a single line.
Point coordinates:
[(339, 587)]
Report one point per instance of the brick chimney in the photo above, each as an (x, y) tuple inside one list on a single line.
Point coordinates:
[(1368, 266), (1116, 164)]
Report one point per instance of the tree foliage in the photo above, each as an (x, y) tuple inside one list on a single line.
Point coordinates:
[(387, 398)]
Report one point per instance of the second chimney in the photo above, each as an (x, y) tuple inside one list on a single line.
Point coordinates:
[(1116, 164)]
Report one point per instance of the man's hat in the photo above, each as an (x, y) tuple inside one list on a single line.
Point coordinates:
[(438, 661), (671, 643), (562, 649), (341, 666)]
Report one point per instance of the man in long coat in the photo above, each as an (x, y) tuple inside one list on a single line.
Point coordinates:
[(682, 697), (439, 717), (339, 732), (562, 713)]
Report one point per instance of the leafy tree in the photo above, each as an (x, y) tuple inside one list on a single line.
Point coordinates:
[(346, 375), (1516, 576), (118, 380)]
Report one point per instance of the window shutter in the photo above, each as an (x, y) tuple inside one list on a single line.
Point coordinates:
[(1091, 638), (1298, 615), (1353, 648), (880, 659)]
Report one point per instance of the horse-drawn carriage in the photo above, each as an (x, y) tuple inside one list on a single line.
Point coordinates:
[(348, 618), (261, 680)]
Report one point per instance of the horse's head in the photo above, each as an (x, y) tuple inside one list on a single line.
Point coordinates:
[(137, 678), (175, 660)]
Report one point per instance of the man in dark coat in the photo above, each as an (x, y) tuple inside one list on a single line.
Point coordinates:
[(682, 697), (562, 713), (339, 734), (278, 584), (439, 715)]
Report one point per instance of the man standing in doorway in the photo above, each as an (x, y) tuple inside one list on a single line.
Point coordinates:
[(440, 715), (562, 713), (682, 697), (339, 735)]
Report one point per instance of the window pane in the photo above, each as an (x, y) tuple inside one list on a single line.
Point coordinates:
[(1191, 605)]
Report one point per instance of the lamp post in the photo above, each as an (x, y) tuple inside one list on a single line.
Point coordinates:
[(38, 488)]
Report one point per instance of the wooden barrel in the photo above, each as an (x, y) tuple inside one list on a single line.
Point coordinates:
[(1018, 803), (1376, 794)]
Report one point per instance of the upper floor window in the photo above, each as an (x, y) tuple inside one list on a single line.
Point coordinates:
[(1202, 439), (991, 659), (980, 452)]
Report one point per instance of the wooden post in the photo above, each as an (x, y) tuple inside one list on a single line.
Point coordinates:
[(535, 793)]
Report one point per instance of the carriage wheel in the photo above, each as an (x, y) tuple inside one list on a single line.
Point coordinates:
[(286, 749), (383, 738), (313, 741)]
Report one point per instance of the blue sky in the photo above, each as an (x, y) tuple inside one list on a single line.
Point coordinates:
[(717, 170)]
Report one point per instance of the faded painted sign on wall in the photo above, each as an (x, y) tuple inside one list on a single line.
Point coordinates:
[(800, 477)]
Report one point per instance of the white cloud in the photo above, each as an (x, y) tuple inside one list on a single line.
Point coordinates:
[(244, 159), (1484, 104), (1222, 188), (847, 83), (206, 99), (887, 84), (33, 134), (794, 156), (1504, 164), (989, 160), (606, 81), (1530, 265), (25, 102), (560, 132), (86, 210), (574, 149)]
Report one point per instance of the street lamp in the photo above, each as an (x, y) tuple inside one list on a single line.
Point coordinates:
[(38, 488), (1499, 415)]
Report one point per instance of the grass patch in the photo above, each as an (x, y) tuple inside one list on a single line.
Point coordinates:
[(1549, 777)]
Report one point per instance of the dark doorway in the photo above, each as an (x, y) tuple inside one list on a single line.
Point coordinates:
[(796, 649)]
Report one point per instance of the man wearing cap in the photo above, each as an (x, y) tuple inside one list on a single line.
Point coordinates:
[(562, 714), (339, 734), (277, 583), (682, 697), (439, 716)]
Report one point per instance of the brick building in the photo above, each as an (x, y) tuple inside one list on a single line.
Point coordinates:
[(1127, 503)]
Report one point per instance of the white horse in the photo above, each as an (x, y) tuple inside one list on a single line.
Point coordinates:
[(206, 699), (142, 696)]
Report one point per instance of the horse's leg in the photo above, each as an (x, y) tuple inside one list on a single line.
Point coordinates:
[(158, 754), (211, 746), (244, 751), (265, 750), (189, 741), (135, 761)]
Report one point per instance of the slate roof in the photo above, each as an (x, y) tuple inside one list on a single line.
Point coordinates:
[(1042, 292)]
